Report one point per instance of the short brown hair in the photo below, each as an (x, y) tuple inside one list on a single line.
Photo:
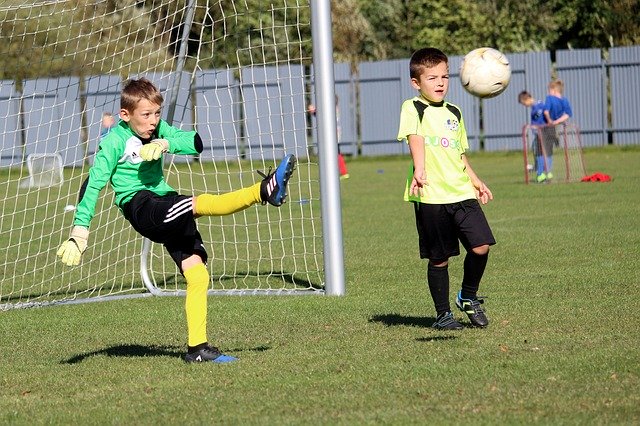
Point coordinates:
[(427, 57), (557, 85), (524, 95), (136, 90)]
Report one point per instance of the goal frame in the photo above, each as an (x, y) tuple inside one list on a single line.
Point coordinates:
[(331, 254), (327, 150), (568, 136), (31, 181)]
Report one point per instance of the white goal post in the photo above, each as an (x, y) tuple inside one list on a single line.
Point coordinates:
[(237, 72)]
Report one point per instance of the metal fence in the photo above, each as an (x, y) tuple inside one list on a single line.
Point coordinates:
[(234, 116), (603, 88)]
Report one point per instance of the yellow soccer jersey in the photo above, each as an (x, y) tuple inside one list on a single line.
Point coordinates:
[(445, 140)]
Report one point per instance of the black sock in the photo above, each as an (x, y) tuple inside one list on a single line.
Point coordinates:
[(474, 265), (438, 280)]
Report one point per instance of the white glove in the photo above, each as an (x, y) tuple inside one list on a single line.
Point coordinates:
[(154, 149), (71, 250)]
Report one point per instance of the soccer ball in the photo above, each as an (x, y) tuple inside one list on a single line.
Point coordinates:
[(485, 72)]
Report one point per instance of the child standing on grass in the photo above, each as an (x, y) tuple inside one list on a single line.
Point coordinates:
[(538, 121), (444, 190), (557, 110), (130, 159)]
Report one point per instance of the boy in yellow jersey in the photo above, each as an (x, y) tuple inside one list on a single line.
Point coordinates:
[(130, 157), (444, 190)]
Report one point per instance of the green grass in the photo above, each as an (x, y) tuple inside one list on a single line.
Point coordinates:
[(562, 347)]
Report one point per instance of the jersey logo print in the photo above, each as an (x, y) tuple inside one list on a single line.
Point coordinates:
[(452, 124), (131, 151)]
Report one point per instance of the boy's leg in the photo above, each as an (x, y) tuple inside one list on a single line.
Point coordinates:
[(438, 281), (169, 220), (438, 241), (225, 204), (199, 350), (467, 300), (197, 278), (552, 141), (272, 189), (539, 165), (474, 266), (476, 237), (539, 158)]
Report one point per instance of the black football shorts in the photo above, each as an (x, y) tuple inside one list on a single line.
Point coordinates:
[(442, 227), (168, 220)]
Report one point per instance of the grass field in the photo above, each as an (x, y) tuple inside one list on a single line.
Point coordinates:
[(563, 346)]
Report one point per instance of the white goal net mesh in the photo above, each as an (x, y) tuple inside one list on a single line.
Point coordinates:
[(236, 71)]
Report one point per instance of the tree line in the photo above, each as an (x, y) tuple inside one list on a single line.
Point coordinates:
[(63, 37)]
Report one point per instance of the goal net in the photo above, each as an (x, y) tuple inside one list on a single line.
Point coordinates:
[(552, 154), (236, 71)]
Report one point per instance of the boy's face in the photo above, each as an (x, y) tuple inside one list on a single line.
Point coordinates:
[(433, 83), (144, 119)]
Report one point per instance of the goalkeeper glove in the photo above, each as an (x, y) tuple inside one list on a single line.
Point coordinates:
[(154, 149), (71, 250)]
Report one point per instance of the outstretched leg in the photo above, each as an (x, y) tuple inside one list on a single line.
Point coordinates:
[(272, 189)]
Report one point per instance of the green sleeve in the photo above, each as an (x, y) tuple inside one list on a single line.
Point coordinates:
[(104, 164), (409, 121), (180, 142)]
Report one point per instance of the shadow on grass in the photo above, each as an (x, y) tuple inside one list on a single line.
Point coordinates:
[(396, 319), (289, 278), (436, 338), (144, 351)]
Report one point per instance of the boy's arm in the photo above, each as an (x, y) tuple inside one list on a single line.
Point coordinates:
[(71, 250), (179, 141), (564, 117), (416, 147), (483, 193)]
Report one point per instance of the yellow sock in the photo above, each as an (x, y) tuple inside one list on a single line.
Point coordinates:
[(196, 303), (231, 202)]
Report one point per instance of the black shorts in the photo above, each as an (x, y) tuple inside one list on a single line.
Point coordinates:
[(442, 227), (168, 220)]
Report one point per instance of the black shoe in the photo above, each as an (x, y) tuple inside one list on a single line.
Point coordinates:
[(274, 184), (446, 321), (208, 354), (474, 311)]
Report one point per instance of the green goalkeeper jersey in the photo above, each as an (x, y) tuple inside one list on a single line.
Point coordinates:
[(118, 162), (445, 140)]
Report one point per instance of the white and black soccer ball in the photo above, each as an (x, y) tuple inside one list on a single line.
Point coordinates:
[(485, 72)]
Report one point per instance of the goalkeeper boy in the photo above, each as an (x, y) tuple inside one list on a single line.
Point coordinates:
[(130, 158)]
